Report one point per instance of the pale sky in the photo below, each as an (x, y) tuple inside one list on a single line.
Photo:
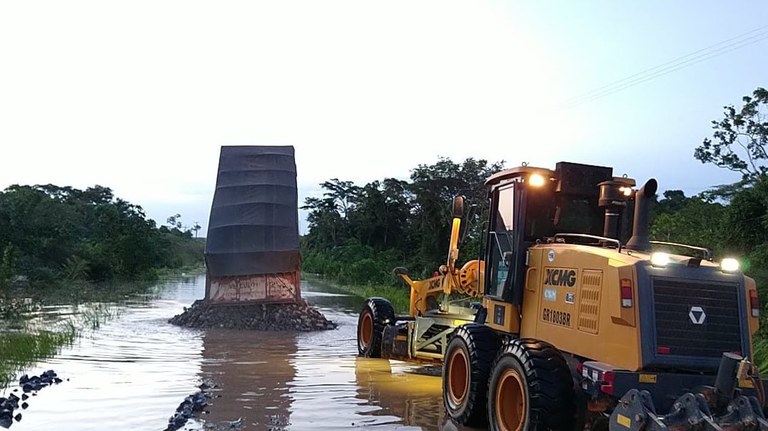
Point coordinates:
[(139, 96)]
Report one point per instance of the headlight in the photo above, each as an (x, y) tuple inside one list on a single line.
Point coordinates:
[(536, 180), (659, 259), (626, 191), (729, 264)]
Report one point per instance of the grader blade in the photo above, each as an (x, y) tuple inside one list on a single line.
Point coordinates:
[(636, 412), (690, 412), (744, 413)]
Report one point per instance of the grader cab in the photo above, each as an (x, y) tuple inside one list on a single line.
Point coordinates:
[(564, 325)]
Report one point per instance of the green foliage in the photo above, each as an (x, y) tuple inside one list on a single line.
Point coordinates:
[(13, 311), (739, 144), (52, 234), (352, 263), (693, 220), (21, 349), (359, 234), (74, 268), (434, 187), (740, 138), (760, 346), (398, 295), (7, 264)]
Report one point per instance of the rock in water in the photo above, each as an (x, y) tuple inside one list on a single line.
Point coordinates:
[(6, 420), (192, 404), (298, 316), (28, 384)]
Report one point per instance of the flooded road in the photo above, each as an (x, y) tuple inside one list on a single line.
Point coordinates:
[(133, 371)]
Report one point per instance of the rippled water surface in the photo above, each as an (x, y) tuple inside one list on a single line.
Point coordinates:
[(133, 371)]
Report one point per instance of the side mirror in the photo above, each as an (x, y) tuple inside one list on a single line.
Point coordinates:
[(457, 209)]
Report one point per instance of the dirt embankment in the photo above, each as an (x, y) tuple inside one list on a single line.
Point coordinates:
[(262, 317)]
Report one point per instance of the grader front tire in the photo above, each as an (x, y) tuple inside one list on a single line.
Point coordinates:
[(466, 368), (375, 315)]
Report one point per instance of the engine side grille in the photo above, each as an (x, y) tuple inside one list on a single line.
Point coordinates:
[(677, 305), (589, 300)]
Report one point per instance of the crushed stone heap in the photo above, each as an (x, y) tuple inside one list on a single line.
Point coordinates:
[(298, 316)]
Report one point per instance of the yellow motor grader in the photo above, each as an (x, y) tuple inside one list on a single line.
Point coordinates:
[(562, 325)]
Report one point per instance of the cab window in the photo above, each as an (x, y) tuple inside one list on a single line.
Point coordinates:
[(500, 238)]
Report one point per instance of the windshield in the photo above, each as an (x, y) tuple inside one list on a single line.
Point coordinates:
[(548, 214)]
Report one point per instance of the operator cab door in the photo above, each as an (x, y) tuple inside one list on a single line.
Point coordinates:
[(505, 260)]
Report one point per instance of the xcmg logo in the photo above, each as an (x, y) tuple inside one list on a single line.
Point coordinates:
[(560, 277)]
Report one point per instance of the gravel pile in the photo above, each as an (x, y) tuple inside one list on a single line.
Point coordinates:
[(261, 317)]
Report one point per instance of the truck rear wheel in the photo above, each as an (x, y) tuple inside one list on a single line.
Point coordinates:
[(530, 388), (375, 315), (467, 366)]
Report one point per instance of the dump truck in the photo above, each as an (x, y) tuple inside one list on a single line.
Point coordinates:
[(252, 246), (561, 324)]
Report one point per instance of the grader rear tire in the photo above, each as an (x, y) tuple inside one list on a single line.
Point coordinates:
[(467, 366), (530, 389), (375, 315)]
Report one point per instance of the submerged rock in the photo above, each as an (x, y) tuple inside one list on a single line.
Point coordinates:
[(263, 317), (28, 384), (35, 383), (192, 404)]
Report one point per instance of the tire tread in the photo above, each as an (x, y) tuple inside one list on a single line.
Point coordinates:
[(550, 386), (482, 344), (382, 311)]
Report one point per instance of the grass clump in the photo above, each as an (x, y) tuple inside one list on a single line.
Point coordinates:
[(24, 340), (95, 315), (399, 296), (18, 350)]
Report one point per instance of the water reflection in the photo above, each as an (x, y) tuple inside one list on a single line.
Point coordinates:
[(252, 372), (133, 371), (399, 392)]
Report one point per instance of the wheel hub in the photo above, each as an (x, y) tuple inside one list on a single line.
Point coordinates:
[(458, 377), (366, 330), (510, 401)]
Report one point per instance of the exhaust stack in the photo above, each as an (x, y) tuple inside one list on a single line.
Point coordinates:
[(640, 240)]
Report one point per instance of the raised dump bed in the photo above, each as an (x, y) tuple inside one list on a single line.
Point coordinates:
[(252, 246)]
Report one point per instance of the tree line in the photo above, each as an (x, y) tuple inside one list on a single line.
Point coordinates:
[(730, 219), (357, 234), (51, 234)]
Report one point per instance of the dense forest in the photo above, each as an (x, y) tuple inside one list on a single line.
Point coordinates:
[(51, 235), (357, 234)]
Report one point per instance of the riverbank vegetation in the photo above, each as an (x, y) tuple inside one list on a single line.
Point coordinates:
[(359, 233), (26, 338), (67, 246), (18, 350), (53, 236), (398, 295)]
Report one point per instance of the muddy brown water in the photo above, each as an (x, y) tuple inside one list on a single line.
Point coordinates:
[(133, 371)]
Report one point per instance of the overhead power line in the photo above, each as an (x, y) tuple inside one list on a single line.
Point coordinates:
[(695, 57)]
